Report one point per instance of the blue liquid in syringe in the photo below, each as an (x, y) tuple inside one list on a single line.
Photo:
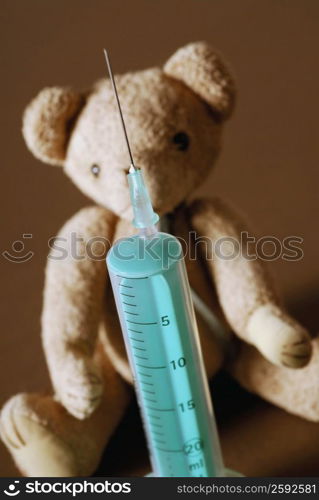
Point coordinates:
[(153, 301), (157, 318)]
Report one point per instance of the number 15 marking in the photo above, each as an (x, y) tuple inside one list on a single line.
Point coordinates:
[(189, 405)]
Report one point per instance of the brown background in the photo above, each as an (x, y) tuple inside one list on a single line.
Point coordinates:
[(269, 165)]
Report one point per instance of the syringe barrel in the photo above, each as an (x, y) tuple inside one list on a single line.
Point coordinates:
[(154, 304)]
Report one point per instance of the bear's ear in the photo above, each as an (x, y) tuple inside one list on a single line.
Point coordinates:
[(201, 68), (48, 121)]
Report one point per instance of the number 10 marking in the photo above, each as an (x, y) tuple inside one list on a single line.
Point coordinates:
[(180, 363)]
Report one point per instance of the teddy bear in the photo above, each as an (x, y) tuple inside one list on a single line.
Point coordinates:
[(174, 116)]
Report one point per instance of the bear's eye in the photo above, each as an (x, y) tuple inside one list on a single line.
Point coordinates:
[(181, 140), (95, 169)]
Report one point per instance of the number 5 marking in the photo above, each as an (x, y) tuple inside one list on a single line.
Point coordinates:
[(165, 321)]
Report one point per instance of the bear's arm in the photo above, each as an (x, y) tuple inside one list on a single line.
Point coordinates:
[(76, 278), (246, 293)]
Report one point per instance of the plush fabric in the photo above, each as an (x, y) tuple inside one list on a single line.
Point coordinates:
[(174, 116)]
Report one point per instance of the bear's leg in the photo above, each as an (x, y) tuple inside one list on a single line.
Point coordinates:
[(295, 391), (267, 442), (45, 440)]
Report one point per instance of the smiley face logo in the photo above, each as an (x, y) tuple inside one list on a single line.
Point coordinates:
[(12, 489), (18, 254)]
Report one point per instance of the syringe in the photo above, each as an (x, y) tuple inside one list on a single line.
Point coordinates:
[(155, 309)]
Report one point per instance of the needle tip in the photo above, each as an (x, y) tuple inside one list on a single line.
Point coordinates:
[(109, 67), (106, 56)]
